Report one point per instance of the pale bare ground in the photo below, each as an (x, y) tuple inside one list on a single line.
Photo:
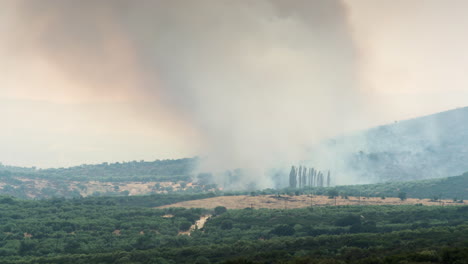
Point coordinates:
[(37, 183), (88, 188), (134, 188), (199, 224), (301, 201)]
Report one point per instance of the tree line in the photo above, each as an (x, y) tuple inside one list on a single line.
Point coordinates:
[(301, 177)]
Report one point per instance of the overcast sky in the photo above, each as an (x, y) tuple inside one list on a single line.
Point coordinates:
[(242, 81)]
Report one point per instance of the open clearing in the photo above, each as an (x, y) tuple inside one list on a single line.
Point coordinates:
[(286, 202)]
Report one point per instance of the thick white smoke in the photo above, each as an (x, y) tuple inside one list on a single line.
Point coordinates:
[(259, 80)]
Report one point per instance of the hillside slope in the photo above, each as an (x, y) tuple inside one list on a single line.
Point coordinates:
[(126, 178), (433, 146), (178, 169), (455, 187)]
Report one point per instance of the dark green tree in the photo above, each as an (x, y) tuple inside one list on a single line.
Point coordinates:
[(283, 230), (185, 226), (332, 193), (293, 177), (402, 196), (220, 210)]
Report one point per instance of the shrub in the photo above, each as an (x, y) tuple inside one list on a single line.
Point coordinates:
[(185, 226), (226, 224), (402, 196), (283, 230), (219, 210), (348, 220)]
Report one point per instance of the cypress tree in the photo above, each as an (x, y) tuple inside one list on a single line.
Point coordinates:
[(304, 177), (299, 174), (320, 179), (292, 177), (314, 178)]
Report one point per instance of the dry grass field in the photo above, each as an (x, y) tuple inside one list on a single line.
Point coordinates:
[(285, 202)]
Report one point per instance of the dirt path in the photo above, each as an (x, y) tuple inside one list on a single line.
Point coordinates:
[(199, 224), (285, 201)]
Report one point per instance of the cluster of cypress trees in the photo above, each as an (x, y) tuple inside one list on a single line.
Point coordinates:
[(301, 177)]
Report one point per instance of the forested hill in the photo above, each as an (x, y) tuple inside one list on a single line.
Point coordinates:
[(455, 188), (160, 170), (106, 179), (432, 146)]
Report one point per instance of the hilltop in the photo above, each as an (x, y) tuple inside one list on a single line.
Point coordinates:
[(161, 170)]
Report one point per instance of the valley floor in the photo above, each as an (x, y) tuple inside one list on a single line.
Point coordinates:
[(299, 201)]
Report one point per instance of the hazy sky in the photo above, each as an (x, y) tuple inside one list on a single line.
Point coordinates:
[(242, 81)]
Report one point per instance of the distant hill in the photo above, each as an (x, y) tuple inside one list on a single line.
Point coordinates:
[(429, 147), (432, 146), (455, 187), (159, 170), (106, 179)]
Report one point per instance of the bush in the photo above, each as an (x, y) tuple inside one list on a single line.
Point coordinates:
[(402, 196), (348, 220), (332, 193), (283, 230), (220, 210), (226, 224), (185, 226)]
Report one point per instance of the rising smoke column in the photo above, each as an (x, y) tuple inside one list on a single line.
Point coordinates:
[(259, 80)]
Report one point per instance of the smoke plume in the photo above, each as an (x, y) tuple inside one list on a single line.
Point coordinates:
[(259, 80)]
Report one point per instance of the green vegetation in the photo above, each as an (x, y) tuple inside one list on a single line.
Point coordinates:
[(153, 200), (101, 180), (402, 196), (452, 188), (73, 182), (159, 170), (445, 188), (126, 229), (120, 230)]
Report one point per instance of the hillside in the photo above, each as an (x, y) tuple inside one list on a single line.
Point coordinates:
[(127, 178), (160, 170), (427, 147), (455, 187)]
